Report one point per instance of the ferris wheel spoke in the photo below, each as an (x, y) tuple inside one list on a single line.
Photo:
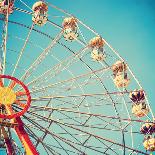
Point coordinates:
[(77, 95), (22, 50), (4, 42), (20, 93), (87, 126), (106, 64), (42, 33), (100, 116), (69, 118), (18, 67), (105, 139), (102, 84), (71, 79), (41, 57), (12, 84), (111, 98), (124, 119), (96, 126), (58, 67), (69, 88), (83, 144), (27, 56), (22, 105), (45, 134)]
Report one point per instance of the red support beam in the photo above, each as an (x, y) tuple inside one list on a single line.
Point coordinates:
[(24, 138)]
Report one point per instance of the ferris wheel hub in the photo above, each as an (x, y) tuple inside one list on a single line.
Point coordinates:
[(13, 102), (7, 96)]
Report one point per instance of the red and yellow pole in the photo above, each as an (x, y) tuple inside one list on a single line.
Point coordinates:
[(22, 134)]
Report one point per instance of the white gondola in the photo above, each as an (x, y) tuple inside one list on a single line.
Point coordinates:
[(6, 6), (149, 143), (97, 52), (70, 31), (40, 15)]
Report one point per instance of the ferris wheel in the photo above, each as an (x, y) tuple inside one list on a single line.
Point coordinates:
[(64, 90)]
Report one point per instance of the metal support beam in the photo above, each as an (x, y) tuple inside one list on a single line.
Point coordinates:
[(24, 138)]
